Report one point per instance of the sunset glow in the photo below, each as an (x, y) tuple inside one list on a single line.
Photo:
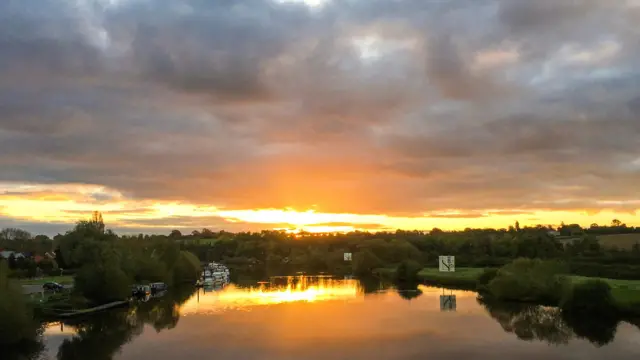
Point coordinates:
[(67, 204), (299, 289)]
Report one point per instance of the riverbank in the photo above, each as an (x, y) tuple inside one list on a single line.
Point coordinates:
[(63, 280), (465, 278), (626, 293)]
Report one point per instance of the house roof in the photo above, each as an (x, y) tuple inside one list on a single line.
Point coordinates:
[(6, 254)]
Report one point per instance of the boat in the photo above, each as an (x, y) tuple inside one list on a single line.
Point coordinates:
[(158, 287), (214, 274)]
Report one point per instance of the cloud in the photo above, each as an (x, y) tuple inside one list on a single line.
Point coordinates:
[(337, 224), (370, 107)]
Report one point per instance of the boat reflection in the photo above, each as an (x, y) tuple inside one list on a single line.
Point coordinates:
[(278, 290)]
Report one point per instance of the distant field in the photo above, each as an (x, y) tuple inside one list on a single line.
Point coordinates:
[(59, 279), (622, 241)]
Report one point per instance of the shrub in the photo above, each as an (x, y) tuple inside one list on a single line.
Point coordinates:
[(407, 271), (102, 282), (364, 262), (485, 278), (591, 298), (16, 318), (590, 311), (187, 268), (529, 281)]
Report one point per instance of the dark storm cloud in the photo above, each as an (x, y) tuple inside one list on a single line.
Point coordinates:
[(251, 103)]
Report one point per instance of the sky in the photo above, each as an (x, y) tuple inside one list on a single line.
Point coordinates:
[(319, 115)]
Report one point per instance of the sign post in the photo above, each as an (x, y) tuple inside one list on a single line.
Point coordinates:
[(447, 263), (348, 256), (448, 303)]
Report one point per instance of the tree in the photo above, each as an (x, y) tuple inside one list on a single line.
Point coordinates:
[(103, 281), (175, 234), (616, 223), (14, 234), (16, 318), (187, 268), (407, 271), (364, 262), (13, 263), (207, 233)]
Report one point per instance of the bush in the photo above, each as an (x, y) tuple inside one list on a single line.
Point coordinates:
[(187, 268), (591, 298), (16, 317), (485, 278), (529, 280), (407, 271), (103, 282), (364, 262), (590, 310)]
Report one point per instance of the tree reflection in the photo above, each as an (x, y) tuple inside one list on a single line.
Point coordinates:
[(370, 285), (26, 350), (101, 336), (408, 291), (549, 324), (599, 331)]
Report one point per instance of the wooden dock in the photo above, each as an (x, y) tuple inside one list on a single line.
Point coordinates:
[(92, 310)]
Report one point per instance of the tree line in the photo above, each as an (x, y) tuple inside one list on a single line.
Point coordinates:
[(266, 253)]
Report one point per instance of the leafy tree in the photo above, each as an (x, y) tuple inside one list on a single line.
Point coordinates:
[(407, 271), (592, 299), (187, 268), (14, 234), (102, 282), (16, 318), (529, 280), (365, 262)]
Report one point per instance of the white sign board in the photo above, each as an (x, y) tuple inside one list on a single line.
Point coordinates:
[(447, 303), (447, 263), (347, 256)]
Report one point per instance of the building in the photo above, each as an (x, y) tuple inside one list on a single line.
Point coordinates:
[(7, 254)]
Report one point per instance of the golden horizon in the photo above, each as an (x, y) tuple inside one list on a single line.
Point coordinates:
[(66, 204)]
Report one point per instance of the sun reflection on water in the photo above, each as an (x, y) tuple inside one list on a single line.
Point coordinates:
[(278, 291)]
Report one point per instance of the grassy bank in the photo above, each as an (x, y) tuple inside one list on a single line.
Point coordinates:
[(64, 280), (626, 293), (462, 277)]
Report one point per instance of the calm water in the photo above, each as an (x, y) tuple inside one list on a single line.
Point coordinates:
[(334, 319)]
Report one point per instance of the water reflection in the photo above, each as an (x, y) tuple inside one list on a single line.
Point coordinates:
[(341, 318), (102, 335), (279, 290), (549, 324)]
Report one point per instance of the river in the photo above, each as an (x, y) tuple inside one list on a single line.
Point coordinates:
[(323, 318)]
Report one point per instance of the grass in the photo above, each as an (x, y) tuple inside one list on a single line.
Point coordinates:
[(461, 277), (626, 293), (622, 241), (59, 279)]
